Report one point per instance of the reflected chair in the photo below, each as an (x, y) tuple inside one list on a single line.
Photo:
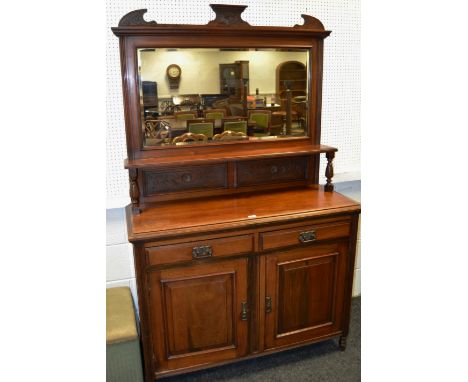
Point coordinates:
[(215, 113), (262, 118), (184, 115), (236, 109), (201, 126), (167, 107), (230, 136), (239, 125), (299, 104), (190, 137), (150, 128)]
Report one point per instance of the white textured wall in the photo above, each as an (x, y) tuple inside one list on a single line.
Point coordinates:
[(341, 85)]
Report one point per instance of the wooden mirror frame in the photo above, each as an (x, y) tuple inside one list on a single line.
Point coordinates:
[(228, 30)]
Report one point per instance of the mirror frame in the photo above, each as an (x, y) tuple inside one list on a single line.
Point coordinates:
[(227, 30)]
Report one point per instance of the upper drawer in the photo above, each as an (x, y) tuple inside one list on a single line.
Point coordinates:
[(271, 170), (304, 234), (174, 253), (185, 179)]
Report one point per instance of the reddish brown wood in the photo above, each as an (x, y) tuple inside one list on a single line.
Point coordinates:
[(286, 237), (227, 15), (349, 278), (196, 314), (184, 179), (175, 253), (135, 18), (271, 170), (306, 286), (192, 155), (134, 32), (249, 210), (310, 22), (143, 308), (238, 251), (134, 190), (329, 171)]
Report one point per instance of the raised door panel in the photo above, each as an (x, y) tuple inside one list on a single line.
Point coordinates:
[(304, 294), (197, 314)]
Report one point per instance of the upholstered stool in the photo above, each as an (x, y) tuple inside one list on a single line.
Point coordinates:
[(123, 358)]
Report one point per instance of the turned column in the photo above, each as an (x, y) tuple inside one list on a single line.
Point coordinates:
[(134, 190), (329, 171)]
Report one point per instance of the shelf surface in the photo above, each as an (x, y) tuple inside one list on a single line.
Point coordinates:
[(190, 158), (234, 211)]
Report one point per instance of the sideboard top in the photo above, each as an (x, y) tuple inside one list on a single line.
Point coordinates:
[(237, 211)]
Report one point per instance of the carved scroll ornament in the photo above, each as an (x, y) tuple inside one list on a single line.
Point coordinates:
[(135, 18), (310, 22)]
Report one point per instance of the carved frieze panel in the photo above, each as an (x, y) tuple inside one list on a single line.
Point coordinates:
[(271, 170), (185, 179)]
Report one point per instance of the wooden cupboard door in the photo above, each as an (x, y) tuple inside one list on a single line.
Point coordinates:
[(304, 294), (199, 314)]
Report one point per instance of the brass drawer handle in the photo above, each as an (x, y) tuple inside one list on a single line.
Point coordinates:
[(202, 252), (307, 236), (244, 311), (267, 304)]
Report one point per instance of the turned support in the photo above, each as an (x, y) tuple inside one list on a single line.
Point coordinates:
[(329, 171), (342, 342), (134, 190)]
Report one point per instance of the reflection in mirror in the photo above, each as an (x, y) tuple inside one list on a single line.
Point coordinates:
[(207, 95)]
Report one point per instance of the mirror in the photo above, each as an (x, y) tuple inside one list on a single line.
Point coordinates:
[(207, 95)]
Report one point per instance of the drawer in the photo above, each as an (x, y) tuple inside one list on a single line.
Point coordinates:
[(271, 171), (304, 234), (180, 252), (185, 179)]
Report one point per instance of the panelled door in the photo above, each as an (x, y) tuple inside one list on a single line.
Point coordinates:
[(304, 293), (199, 313)]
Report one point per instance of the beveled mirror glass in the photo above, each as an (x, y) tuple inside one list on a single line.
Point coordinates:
[(206, 95)]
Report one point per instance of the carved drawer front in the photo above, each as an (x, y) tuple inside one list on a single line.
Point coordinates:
[(271, 170), (303, 235), (185, 179), (194, 250)]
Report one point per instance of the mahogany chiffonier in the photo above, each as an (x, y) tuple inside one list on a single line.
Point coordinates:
[(239, 252)]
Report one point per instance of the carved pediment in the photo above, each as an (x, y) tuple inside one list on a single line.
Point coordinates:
[(228, 15)]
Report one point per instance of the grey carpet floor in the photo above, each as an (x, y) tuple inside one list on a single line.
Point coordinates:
[(322, 362)]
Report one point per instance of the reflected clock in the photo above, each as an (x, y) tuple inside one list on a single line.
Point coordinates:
[(173, 74)]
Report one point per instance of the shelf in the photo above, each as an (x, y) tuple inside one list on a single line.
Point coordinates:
[(235, 212), (191, 158)]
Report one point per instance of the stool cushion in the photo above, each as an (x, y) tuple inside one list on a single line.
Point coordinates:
[(120, 316)]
